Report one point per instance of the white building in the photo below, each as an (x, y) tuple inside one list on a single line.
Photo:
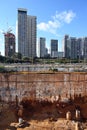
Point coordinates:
[(72, 47)]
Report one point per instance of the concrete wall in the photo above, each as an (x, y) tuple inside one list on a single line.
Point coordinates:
[(42, 85)]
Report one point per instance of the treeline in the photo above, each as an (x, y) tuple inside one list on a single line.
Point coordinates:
[(17, 58)]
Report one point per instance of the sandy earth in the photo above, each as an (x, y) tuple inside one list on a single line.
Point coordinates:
[(60, 124), (43, 116)]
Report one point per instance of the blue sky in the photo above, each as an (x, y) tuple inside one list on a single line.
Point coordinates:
[(55, 18)]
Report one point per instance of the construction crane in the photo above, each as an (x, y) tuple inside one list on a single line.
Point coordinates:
[(8, 31)]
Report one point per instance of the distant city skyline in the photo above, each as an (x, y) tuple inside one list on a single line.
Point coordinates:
[(54, 18), (75, 48)]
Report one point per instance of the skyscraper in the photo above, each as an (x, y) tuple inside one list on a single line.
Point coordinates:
[(79, 48), (66, 44), (31, 36), (22, 31), (26, 34), (9, 44), (41, 47), (85, 47), (73, 49), (54, 48)]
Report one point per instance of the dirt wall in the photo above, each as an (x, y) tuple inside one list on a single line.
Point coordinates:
[(37, 85)]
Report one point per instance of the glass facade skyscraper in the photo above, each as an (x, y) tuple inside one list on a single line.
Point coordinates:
[(54, 48)]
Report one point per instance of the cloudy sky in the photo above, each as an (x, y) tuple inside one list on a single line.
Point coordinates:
[(55, 18)]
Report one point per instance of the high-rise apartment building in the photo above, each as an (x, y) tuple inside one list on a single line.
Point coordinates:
[(85, 47), (31, 36), (72, 47), (67, 46), (54, 48), (26, 34), (79, 48), (41, 47), (9, 44), (22, 31)]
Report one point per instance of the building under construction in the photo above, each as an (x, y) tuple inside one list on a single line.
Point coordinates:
[(9, 44)]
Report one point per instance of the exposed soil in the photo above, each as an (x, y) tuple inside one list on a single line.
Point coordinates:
[(41, 113)]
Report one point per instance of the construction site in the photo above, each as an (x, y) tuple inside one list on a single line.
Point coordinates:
[(43, 100)]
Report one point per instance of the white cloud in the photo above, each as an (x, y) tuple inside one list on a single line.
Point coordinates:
[(57, 21), (66, 16)]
